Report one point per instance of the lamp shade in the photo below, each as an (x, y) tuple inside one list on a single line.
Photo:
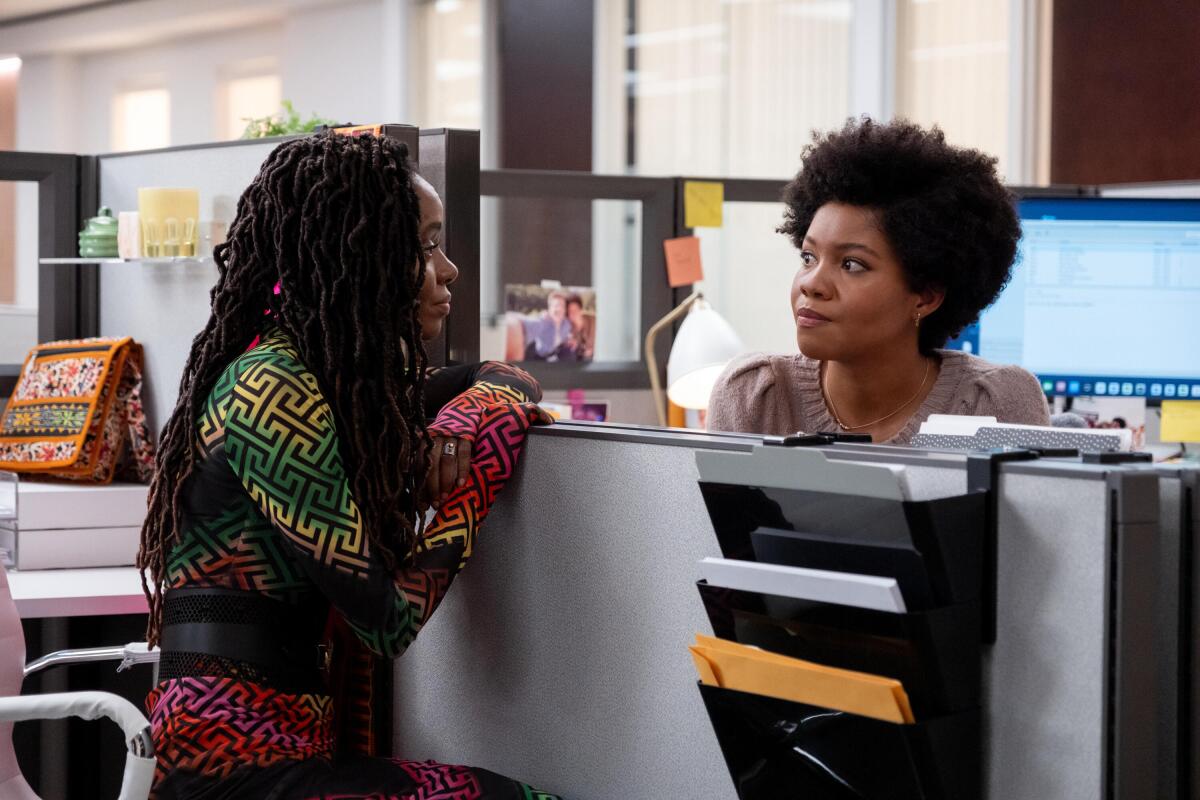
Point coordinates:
[(705, 344)]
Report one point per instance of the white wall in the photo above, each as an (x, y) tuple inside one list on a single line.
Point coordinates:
[(52, 128), (190, 70), (331, 58), (343, 60), (333, 63), (18, 333)]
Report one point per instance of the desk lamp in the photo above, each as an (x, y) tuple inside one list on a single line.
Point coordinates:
[(704, 345)]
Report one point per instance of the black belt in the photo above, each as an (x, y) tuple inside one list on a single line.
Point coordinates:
[(279, 640)]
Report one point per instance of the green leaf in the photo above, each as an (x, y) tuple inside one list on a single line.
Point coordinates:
[(282, 123)]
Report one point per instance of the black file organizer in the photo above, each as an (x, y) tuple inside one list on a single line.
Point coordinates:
[(781, 750), (946, 566), (922, 650), (946, 535)]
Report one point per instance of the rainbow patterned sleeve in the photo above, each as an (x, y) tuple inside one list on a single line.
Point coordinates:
[(495, 382), (281, 442)]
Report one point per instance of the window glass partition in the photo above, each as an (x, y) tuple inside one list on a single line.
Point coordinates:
[(46, 192), (748, 265), (521, 278), (448, 42), (953, 70), (748, 271), (720, 87), (18, 269), (573, 274)]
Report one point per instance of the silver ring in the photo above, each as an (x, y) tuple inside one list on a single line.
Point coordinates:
[(449, 447)]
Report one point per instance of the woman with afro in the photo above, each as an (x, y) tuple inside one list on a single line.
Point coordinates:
[(286, 543), (903, 240)]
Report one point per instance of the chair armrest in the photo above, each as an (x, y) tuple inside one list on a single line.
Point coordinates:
[(139, 758), (128, 655)]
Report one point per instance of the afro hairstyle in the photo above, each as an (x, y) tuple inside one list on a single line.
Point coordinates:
[(949, 219)]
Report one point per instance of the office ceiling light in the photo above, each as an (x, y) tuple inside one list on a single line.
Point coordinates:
[(9, 64)]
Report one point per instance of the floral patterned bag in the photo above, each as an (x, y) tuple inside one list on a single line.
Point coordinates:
[(77, 413)]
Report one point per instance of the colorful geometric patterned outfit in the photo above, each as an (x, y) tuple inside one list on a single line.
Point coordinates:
[(272, 546)]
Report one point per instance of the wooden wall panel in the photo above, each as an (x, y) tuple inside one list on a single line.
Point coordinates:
[(1126, 91), (545, 122)]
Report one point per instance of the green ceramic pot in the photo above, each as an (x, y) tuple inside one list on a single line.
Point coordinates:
[(98, 239)]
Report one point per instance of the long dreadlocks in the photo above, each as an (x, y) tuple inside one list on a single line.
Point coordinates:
[(334, 223)]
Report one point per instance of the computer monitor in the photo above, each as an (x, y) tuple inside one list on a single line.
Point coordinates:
[(1104, 299)]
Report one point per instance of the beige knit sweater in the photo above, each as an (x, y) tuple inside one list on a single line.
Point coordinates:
[(781, 394)]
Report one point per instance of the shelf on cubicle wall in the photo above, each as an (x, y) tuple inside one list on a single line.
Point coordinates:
[(162, 260)]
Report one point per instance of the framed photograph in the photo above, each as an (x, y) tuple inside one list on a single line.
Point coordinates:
[(549, 322), (591, 412)]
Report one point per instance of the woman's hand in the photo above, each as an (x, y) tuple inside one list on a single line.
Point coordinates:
[(449, 464), (450, 458)]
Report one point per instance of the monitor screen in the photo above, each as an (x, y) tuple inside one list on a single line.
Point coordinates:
[(1104, 299)]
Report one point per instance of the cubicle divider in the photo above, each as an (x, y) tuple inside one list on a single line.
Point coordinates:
[(561, 656), (1188, 734), (61, 314), (1177, 644)]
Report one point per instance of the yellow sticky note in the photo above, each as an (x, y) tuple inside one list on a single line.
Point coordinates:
[(1180, 421), (703, 204)]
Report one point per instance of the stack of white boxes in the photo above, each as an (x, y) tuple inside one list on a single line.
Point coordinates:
[(66, 525)]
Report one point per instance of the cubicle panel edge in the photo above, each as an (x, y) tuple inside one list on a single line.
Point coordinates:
[(88, 290), (57, 176), (1188, 758), (450, 162), (1131, 753)]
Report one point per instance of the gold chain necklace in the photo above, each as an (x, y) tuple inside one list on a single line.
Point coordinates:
[(844, 426)]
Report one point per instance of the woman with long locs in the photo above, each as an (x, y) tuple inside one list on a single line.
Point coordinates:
[(285, 542)]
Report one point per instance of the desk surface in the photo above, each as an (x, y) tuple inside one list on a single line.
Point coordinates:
[(77, 592)]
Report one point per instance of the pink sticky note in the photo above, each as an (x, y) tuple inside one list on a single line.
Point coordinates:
[(683, 261)]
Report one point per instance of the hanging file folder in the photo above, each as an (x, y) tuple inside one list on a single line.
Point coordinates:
[(747, 669), (842, 588)]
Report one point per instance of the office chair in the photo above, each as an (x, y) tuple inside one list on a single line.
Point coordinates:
[(139, 759)]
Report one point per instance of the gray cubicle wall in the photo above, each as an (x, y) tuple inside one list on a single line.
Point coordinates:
[(1177, 647), (1171, 636), (1190, 646), (165, 305), (561, 657)]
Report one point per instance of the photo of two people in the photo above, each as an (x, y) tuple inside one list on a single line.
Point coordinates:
[(549, 322)]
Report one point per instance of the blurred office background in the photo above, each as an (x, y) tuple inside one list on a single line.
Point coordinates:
[(1063, 91)]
